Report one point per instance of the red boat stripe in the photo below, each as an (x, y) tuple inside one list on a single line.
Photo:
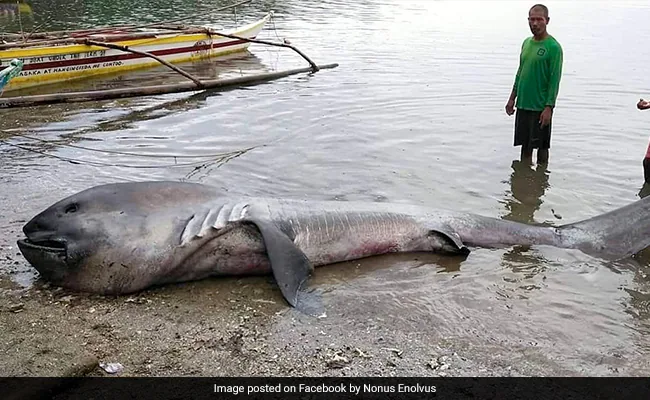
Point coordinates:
[(126, 56)]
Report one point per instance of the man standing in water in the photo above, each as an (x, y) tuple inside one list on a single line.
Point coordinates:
[(536, 87)]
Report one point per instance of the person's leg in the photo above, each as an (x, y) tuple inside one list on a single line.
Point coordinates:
[(544, 143), (526, 155), (646, 165), (542, 156), (523, 125)]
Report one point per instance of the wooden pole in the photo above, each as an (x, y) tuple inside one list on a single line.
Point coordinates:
[(75, 97), (194, 79)]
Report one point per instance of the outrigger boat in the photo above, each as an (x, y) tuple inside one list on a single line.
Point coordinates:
[(61, 56), (41, 58)]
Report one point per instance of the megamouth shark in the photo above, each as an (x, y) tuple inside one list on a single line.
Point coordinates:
[(125, 237)]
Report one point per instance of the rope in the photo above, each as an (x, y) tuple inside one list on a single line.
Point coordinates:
[(123, 153), (20, 21), (224, 157), (275, 29)]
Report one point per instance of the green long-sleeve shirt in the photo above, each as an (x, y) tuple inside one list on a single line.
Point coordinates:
[(538, 78)]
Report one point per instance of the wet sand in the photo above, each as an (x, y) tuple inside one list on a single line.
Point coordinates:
[(229, 328)]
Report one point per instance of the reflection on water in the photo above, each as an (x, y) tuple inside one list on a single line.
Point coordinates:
[(527, 187), (528, 183)]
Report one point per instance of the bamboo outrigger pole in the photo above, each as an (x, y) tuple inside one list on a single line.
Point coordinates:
[(313, 65), (189, 76), (96, 95), (210, 32)]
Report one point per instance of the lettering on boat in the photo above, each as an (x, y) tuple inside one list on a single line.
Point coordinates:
[(63, 57), (70, 68), (31, 73), (97, 53), (111, 64)]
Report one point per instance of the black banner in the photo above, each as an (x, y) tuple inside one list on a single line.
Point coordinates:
[(324, 388)]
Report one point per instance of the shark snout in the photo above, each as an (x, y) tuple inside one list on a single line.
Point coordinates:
[(35, 227), (45, 250)]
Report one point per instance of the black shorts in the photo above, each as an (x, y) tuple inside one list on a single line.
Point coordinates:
[(529, 133)]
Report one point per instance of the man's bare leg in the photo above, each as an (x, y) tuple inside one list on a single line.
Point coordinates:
[(526, 155), (542, 156), (646, 170)]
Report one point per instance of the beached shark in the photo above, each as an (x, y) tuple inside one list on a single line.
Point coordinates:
[(124, 237)]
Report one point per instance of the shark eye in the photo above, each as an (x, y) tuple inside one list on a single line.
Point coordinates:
[(73, 207)]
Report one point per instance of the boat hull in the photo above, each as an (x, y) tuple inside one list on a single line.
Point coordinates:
[(54, 64)]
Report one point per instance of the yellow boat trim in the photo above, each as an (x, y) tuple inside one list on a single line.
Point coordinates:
[(21, 82)]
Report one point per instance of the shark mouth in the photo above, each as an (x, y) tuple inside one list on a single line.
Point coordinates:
[(48, 245)]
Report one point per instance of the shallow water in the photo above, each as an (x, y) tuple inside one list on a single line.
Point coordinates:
[(414, 113)]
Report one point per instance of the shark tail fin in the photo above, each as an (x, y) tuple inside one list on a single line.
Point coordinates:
[(614, 235)]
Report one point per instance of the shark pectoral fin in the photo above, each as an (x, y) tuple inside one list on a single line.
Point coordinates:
[(450, 241), (291, 267)]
